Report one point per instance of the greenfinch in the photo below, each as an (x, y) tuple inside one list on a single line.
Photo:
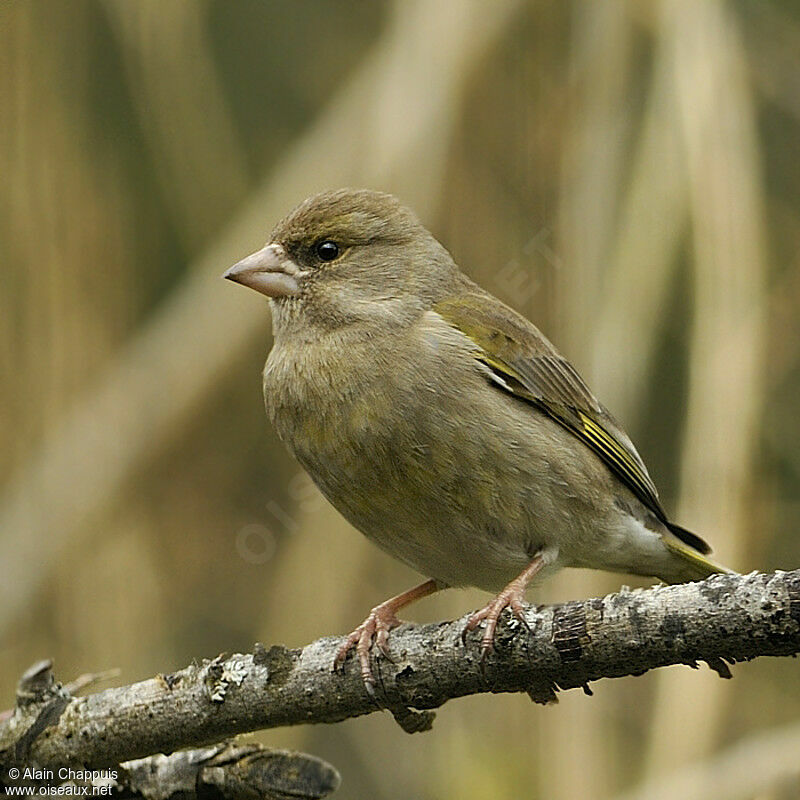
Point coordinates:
[(442, 424)]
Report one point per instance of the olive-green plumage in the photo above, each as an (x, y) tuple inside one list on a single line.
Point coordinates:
[(439, 421)]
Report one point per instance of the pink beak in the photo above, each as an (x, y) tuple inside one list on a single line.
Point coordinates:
[(268, 271)]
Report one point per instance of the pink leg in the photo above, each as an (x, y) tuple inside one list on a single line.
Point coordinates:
[(512, 597), (376, 627)]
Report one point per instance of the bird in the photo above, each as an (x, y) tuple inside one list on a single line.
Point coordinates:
[(443, 424)]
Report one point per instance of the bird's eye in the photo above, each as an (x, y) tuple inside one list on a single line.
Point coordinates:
[(327, 250)]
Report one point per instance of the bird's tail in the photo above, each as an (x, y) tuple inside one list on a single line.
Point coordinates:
[(689, 563)]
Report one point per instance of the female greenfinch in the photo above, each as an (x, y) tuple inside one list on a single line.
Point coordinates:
[(441, 423)]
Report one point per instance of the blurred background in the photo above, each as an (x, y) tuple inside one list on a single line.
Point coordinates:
[(626, 174)]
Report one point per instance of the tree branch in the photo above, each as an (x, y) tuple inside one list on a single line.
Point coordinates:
[(725, 619), (228, 770)]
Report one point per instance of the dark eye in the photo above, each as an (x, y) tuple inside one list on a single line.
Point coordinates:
[(327, 250)]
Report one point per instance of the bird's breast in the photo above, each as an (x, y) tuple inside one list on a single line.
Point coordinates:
[(373, 397), (399, 438)]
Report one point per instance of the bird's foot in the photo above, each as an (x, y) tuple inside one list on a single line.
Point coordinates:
[(511, 597), (375, 628), (490, 614)]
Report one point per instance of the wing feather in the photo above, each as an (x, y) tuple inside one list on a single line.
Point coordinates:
[(523, 362)]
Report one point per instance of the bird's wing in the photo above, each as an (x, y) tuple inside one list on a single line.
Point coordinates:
[(522, 361)]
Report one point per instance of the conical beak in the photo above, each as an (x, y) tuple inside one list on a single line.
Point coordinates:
[(268, 271)]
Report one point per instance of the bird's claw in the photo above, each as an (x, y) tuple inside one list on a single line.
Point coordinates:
[(373, 630), (490, 614)]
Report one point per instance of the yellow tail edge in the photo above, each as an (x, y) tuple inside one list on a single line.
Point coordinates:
[(694, 566)]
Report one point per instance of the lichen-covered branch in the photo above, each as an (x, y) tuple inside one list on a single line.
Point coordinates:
[(725, 619)]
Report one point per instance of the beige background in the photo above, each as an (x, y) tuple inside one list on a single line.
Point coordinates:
[(626, 174)]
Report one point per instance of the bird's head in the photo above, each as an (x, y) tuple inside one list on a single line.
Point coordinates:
[(347, 256)]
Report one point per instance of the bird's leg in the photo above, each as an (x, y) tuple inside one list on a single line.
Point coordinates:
[(376, 627), (510, 597)]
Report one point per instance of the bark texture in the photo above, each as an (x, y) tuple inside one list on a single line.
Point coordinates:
[(720, 621)]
